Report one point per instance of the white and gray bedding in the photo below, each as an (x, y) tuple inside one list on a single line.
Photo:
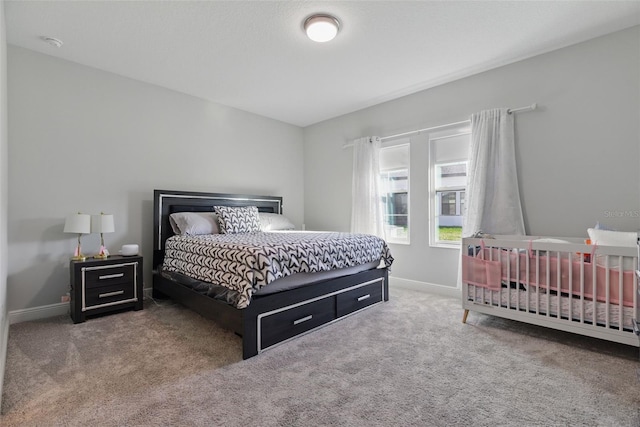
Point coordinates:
[(246, 262)]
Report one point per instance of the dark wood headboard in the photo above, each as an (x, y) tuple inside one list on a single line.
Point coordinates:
[(167, 202)]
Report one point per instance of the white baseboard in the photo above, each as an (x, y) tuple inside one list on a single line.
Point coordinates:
[(431, 288), (62, 308), (36, 313), (51, 310)]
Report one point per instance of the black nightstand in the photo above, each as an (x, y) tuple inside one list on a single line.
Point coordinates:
[(105, 285)]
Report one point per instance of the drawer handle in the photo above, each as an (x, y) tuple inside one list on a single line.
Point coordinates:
[(364, 297), (111, 276), (304, 319), (110, 294)]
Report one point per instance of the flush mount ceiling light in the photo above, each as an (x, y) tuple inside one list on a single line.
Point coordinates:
[(321, 28)]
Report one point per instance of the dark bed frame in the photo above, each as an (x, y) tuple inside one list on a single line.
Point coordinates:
[(269, 319)]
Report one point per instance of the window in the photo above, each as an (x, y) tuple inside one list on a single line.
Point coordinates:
[(394, 179), (448, 177)]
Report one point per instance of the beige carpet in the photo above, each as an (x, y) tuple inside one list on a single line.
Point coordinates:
[(407, 362)]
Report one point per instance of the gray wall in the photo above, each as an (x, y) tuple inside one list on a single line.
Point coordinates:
[(578, 155), (4, 191), (85, 140)]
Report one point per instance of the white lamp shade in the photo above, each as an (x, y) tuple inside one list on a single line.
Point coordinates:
[(78, 223), (102, 224), (321, 28)]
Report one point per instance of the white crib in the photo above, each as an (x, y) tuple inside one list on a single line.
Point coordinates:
[(557, 283)]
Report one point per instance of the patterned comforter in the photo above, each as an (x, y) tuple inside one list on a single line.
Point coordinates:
[(246, 262)]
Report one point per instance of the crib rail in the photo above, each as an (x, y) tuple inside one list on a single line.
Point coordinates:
[(563, 284)]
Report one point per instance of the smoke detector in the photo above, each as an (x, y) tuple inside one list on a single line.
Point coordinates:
[(53, 41)]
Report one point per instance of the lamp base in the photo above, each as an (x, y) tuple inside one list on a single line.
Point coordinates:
[(79, 258), (103, 253)]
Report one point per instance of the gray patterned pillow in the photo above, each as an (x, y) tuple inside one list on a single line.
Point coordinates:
[(235, 219)]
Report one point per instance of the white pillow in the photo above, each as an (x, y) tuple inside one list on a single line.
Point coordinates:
[(273, 222), (612, 238), (551, 240), (194, 223)]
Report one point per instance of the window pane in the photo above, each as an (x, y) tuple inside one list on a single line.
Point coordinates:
[(395, 204), (448, 157), (397, 209), (449, 220), (394, 176), (448, 203)]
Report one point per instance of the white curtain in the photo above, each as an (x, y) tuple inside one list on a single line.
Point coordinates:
[(492, 199), (366, 209)]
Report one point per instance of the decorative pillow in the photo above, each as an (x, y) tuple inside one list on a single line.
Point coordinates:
[(273, 222), (194, 223), (612, 238), (235, 220)]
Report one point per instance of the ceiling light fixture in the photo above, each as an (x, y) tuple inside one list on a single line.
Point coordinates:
[(321, 28)]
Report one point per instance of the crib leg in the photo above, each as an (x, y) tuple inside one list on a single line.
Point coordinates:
[(464, 316)]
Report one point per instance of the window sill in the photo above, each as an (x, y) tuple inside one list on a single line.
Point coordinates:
[(445, 245), (398, 242)]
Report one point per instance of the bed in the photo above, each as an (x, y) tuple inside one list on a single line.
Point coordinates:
[(273, 293), (566, 284)]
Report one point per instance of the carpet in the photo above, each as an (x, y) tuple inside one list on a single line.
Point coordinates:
[(408, 362)]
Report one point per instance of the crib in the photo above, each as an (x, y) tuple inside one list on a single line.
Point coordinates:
[(563, 284)]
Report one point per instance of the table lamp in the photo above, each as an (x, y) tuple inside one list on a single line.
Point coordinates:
[(102, 224), (81, 224)]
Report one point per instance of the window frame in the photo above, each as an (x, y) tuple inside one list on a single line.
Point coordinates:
[(434, 200), (392, 144)]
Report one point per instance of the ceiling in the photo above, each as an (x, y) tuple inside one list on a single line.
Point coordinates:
[(254, 55)]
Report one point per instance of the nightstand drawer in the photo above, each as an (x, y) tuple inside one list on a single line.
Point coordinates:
[(356, 299), (111, 275), (280, 326), (109, 294)]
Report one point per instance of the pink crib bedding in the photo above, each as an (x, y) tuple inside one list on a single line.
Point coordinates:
[(491, 267)]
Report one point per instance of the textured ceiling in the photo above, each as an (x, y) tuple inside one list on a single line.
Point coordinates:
[(253, 55)]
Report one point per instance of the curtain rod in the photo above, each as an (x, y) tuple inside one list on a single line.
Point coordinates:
[(510, 111)]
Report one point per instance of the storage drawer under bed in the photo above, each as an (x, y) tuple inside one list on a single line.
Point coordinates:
[(359, 298), (288, 323)]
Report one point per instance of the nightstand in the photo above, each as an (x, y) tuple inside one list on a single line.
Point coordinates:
[(105, 285)]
